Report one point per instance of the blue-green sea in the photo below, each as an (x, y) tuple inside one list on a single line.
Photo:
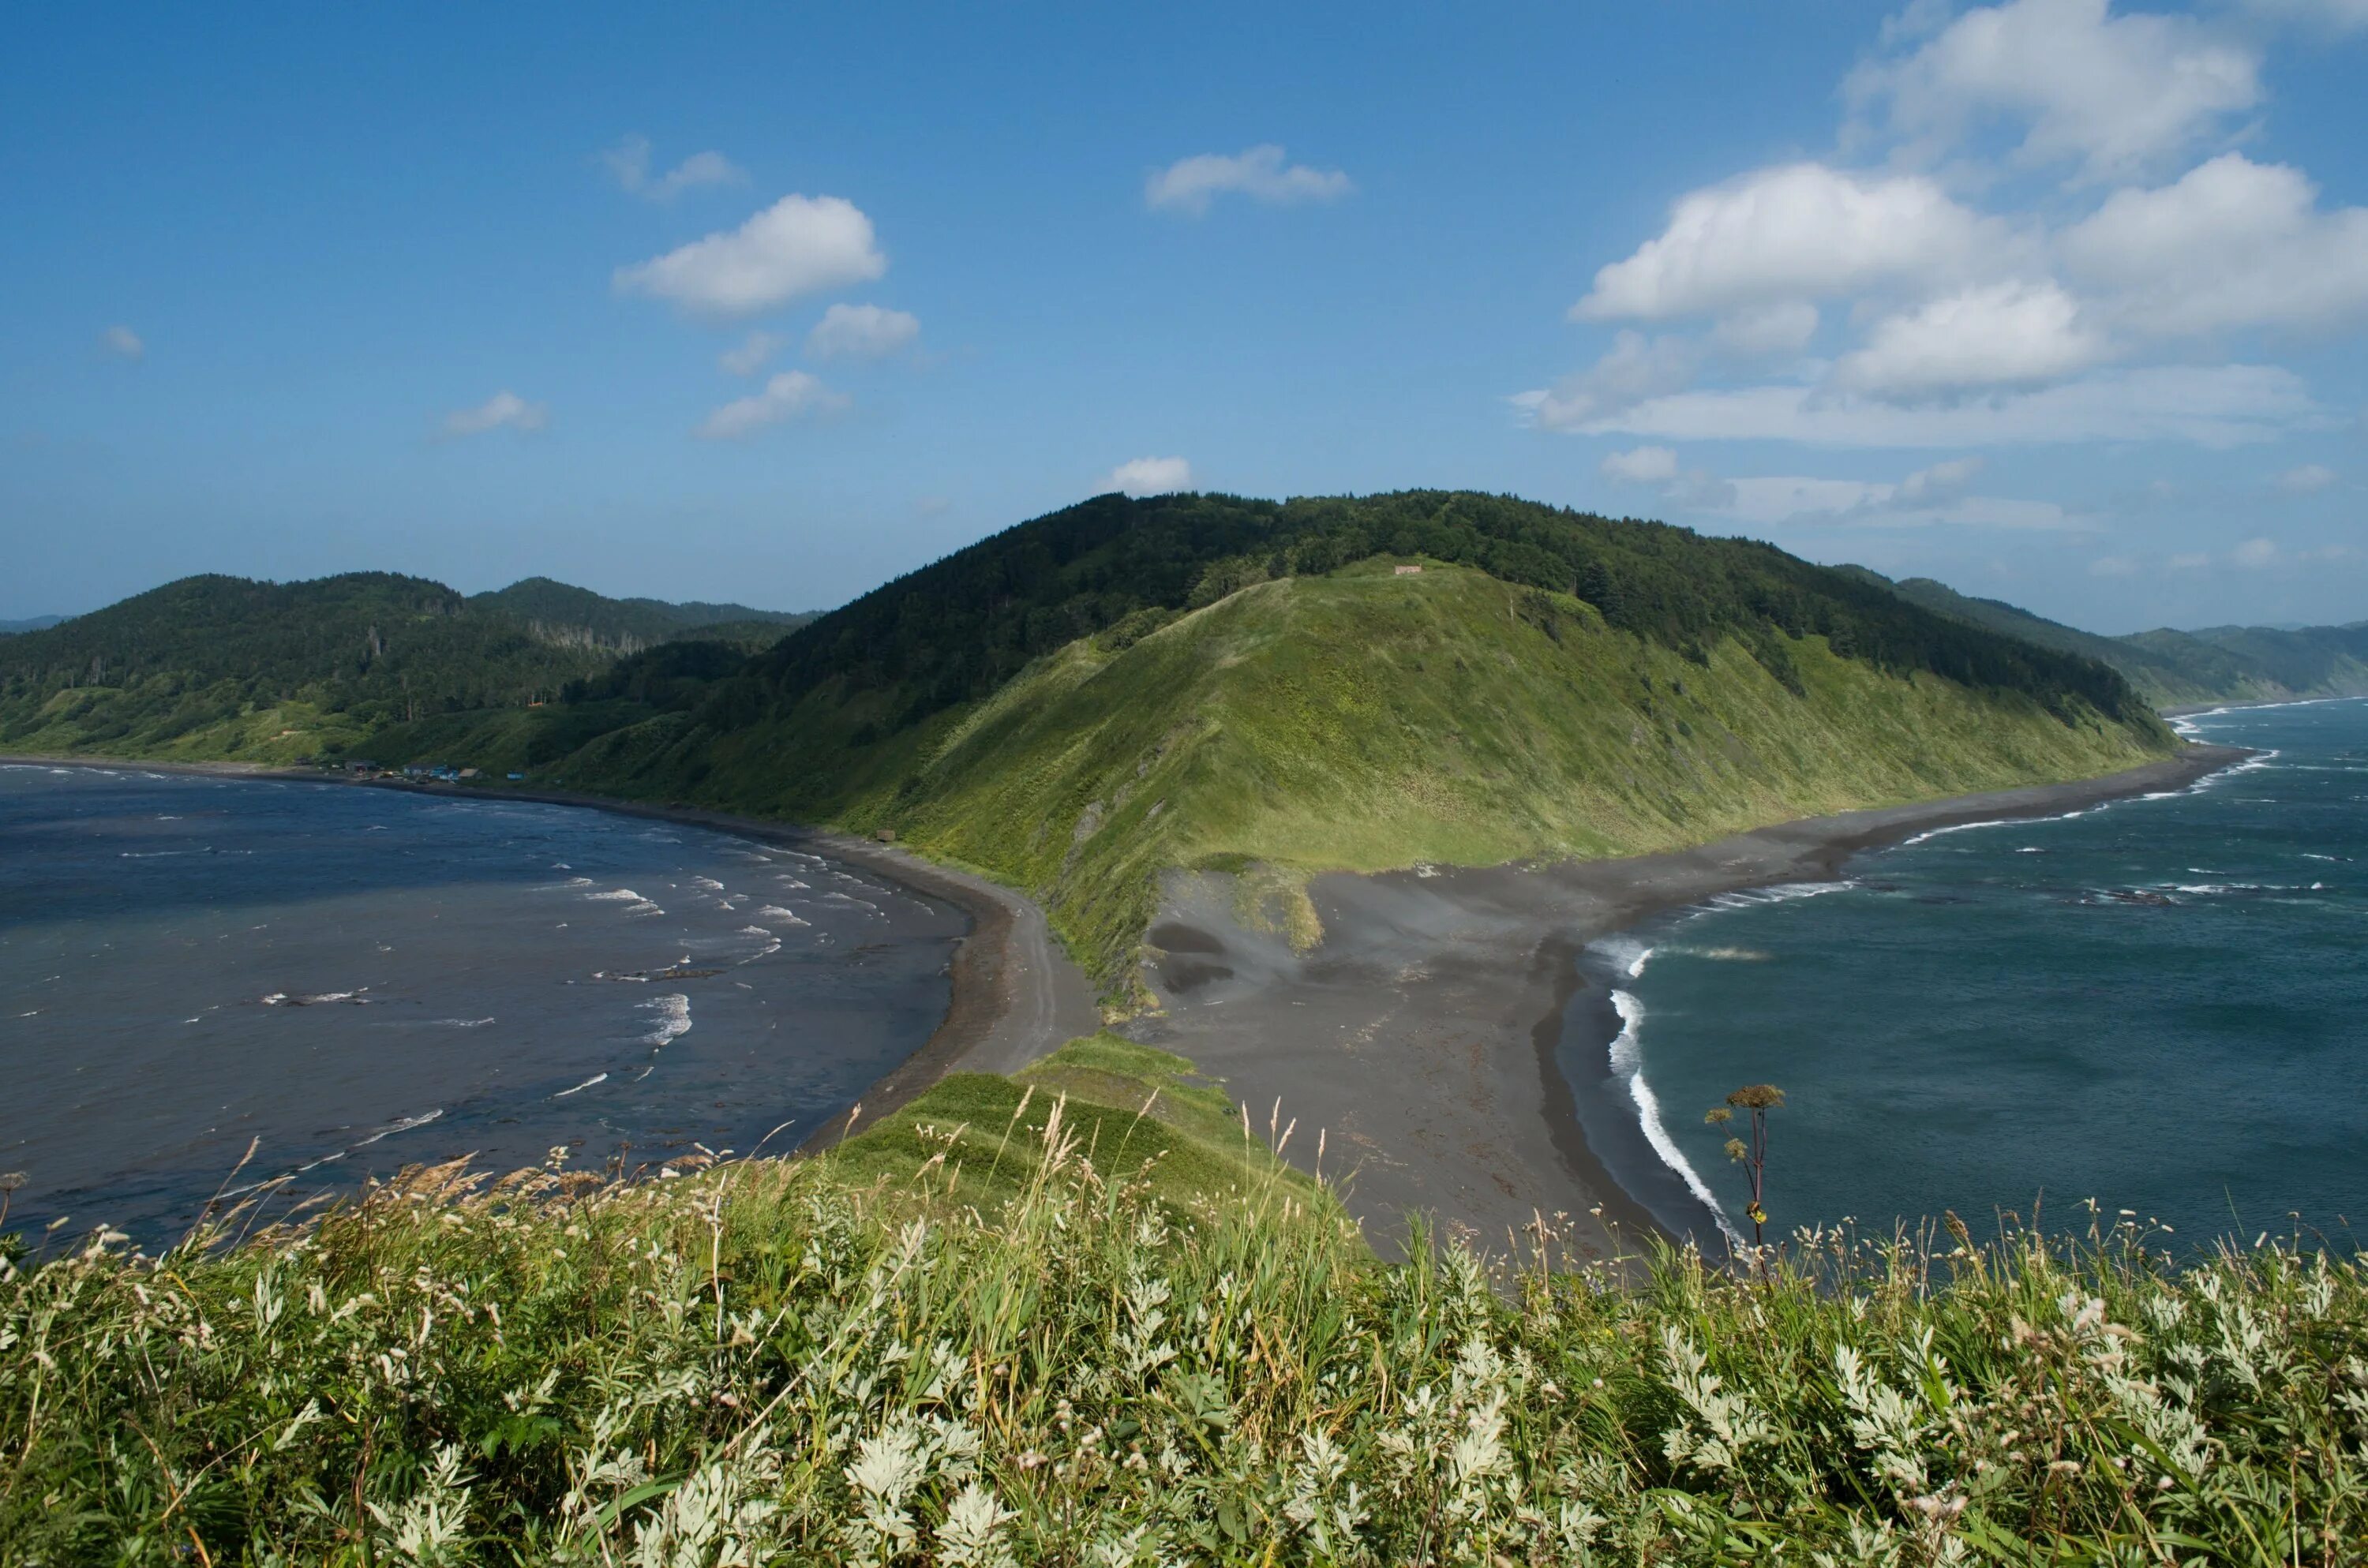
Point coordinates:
[(2161, 1003)]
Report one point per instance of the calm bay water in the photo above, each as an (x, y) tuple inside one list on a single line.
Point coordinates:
[(2161, 1003), (364, 978)]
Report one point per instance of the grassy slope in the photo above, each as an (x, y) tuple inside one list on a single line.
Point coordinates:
[(821, 1361), (979, 1140), (1366, 720)]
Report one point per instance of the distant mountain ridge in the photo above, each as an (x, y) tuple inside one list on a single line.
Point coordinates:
[(215, 665), (628, 626), (2176, 669), (35, 623)]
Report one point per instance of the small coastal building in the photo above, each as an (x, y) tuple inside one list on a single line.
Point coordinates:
[(1408, 572)]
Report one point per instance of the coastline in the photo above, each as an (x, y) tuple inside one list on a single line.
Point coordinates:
[(1419, 1045), (1016, 994), (1423, 1035)]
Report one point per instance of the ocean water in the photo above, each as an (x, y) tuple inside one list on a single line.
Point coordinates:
[(356, 980), (2160, 1005)]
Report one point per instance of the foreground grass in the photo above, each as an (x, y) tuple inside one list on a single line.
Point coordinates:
[(832, 1362)]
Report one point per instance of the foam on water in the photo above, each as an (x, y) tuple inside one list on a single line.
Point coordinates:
[(673, 1019), (1627, 1064), (401, 1124), (595, 1078)]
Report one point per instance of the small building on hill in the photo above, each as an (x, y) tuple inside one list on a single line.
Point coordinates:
[(1408, 572)]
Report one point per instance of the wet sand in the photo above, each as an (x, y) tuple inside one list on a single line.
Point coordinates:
[(1419, 1037)]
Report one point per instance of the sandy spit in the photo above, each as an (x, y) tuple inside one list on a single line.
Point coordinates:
[(1418, 1040)]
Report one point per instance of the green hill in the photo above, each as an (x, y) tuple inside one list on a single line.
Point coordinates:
[(563, 612), (215, 666), (2176, 669), (1126, 686)]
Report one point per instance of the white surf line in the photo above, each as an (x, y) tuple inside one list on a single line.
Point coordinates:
[(1627, 1063)]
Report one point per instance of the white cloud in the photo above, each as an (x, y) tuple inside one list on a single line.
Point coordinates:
[(1150, 476), (629, 163), (1775, 498), (749, 355), (862, 331), (2114, 566), (1190, 185), (797, 245), (504, 410), (2256, 554), (1939, 482), (2112, 93), (2231, 243), (2308, 480), (790, 395), (2217, 406), (123, 342), (1797, 232), (1997, 334), (1635, 368), (1785, 327), (1644, 465)]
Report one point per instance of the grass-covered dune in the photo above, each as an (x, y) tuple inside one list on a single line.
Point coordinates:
[(1013, 1327), (1364, 720)]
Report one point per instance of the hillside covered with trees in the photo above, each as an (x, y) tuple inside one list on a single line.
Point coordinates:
[(2179, 670), (1078, 702), (216, 666)]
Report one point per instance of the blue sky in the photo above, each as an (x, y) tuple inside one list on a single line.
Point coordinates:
[(2057, 301)]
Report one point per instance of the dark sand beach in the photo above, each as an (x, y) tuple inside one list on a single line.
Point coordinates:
[(1416, 1042)]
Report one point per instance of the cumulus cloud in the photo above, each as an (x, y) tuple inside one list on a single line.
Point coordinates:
[(1635, 368), (1190, 185), (123, 342), (1785, 327), (2308, 480), (629, 165), (749, 355), (1997, 334), (2112, 94), (2114, 566), (862, 331), (1150, 476), (1644, 465), (2231, 244), (1785, 235), (1690, 489), (2256, 554), (790, 395), (797, 245), (504, 410), (2217, 406)]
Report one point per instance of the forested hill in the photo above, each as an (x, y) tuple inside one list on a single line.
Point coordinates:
[(956, 631), (627, 626), (225, 666), (2179, 670)]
